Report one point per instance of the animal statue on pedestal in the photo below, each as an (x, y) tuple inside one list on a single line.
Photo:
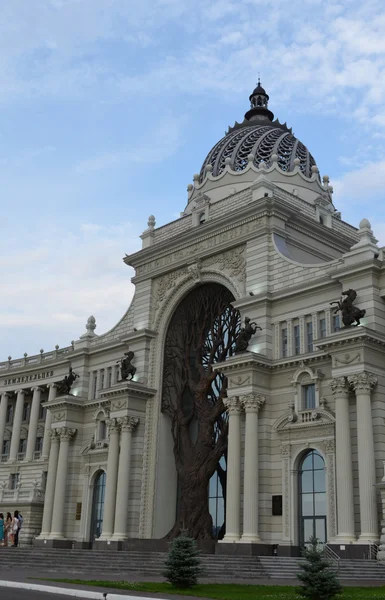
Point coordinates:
[(127, 370), (351, 315), (244, 337), (64, 386)]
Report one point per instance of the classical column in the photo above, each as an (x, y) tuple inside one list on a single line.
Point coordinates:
[(3, 417), (33, 421), (363, 383), (112, 476), (233, 487), (251, 404), (57, 527), (48, 422), (344, 475), (127, 426), (50, 485), (16, 428)]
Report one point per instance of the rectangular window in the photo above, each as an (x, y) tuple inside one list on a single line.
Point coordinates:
[(336, 323), (309, 336), (95, 385), (39, 444), (14, 481), (284, 342), (322, 328), (22, 446), (308, 392), (42, 412), (109, 377), (102, 380), (6, 448), (297, 340)]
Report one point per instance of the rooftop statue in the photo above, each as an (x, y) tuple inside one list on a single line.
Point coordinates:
[(126, 368), (349, 312), (244, 337), (64, 386)]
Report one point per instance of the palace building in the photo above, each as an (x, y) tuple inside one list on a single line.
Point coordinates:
[(94, 464)]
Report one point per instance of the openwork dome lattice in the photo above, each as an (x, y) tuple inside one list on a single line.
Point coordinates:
[(263, 142), (261, 137)]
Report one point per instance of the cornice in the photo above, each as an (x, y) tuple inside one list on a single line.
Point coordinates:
[(150, 334), (198, 234), (357, 336), (130, 388), (343, 270), (65, 401)]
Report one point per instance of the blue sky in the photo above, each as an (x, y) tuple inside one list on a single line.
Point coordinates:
[(108, 108)]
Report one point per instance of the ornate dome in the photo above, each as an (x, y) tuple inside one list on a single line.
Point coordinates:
[(261, 137)]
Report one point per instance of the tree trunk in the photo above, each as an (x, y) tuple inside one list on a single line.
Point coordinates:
[(193, 509)]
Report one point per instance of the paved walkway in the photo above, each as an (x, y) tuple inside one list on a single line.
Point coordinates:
[(18, 574)]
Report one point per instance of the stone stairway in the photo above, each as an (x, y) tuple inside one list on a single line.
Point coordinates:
[(132, 565), (348, 570)]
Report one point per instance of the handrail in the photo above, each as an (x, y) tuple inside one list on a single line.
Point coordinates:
[(373, 549), (332, 556)]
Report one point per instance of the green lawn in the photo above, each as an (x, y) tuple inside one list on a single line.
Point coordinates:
[(224, 591)]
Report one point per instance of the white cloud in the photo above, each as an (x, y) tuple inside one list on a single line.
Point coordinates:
[(53, 288), (361, 185)]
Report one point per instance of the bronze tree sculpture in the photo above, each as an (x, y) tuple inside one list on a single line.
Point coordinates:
[(202, 332)]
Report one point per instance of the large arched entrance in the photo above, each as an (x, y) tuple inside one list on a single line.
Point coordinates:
[(312, 498), (202, 332), (98, 505)]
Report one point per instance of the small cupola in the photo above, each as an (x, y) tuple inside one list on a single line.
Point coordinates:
[(259, 101)]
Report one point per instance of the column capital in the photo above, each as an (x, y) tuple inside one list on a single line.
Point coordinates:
[(128, 423), (37, 388), (233, 405), (54, 434), (52, 385), (6, 394), (362, 382), (339, 386), (252, 402), (113, 425), (21, 392), (66, 433)]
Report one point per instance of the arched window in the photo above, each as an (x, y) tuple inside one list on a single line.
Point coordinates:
[(98, 505), (9, 418), (216, 499), (312, 497)]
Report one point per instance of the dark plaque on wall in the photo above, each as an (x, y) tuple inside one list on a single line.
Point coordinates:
[(78, 511), (276, 506)]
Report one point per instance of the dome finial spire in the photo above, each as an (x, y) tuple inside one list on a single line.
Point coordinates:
[(259, 101)]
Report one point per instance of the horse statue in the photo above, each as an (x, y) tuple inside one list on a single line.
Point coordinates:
[(126, 368), (64, 386), (244, 336), (350, 314)]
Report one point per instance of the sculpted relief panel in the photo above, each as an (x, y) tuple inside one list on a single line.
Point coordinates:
[(231, 262)]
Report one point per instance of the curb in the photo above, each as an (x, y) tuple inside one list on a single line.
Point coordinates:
[(75, 593)]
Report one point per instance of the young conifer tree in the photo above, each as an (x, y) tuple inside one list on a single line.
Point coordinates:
[(319, 581), (183, 565)]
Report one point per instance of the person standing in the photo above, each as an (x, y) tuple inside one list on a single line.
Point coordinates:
[(15, 529), (1, 529), (8, 529)]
